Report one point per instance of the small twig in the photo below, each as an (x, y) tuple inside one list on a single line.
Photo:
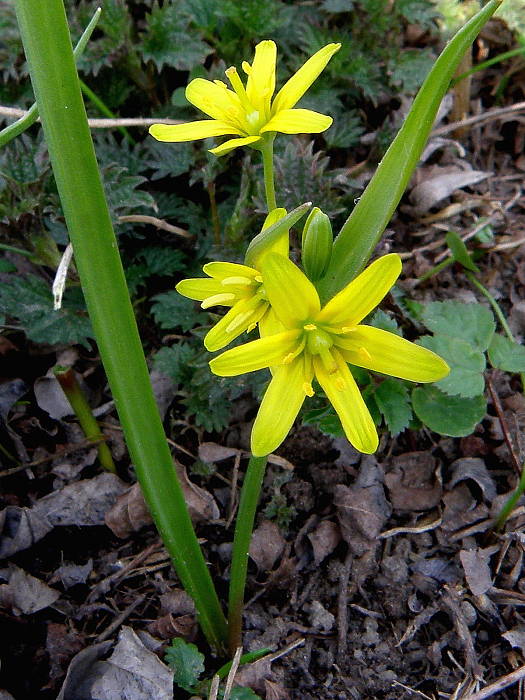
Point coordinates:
[(97, 123), (120, 619), (489, 115), (342, 607), (231, 675), (283, 652), (106, 583), (504, 428), (154, 221), (214, 688), (507, 246), (499, 685)]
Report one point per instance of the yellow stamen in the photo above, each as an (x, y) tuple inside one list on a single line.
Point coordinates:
[(328, 360), (217, 299), (236, 83), (310, 327), (307, 388), (364, 353), (289, 358), (258, 278), (348, 329), (238, 321), (246, 67)]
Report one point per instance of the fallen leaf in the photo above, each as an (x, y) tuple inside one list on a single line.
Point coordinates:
[(516, 637), (254, 675), (72, 574), (62, 643), (24, 593), (267, 545), (362, 509), (434, 189), (132, 672), (475, 469), (10, 392), (324, 539), (475, 564), (412, 483), (212, 452), (321, 619), (50, 396), (20, 528)]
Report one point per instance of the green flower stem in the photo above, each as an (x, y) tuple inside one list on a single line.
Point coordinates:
[(486, 64), (45, 35), (71, 388), (104, 109), (436, 269), (520, 488), (13, 130), (364, 227), (269, 185), (13, 249), (250, 492)]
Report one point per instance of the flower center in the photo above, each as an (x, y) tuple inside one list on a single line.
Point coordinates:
[(319, 342)]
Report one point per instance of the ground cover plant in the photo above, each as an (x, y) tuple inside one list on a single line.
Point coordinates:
[(310, 325)]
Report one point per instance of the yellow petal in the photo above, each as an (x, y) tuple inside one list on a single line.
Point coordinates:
[(238, 319), (255, 355), (279, 408), (387, 353), (345, 397), (261, 77), (298, 84), (270, 324), (363, 294), (215, 100), (192, 130), (298, 121), (281, 245), (222, 270), (291, 294), (199, 288), (229, 145)]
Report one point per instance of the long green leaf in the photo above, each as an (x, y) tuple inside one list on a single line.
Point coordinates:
[(45, 35), (365, 225)]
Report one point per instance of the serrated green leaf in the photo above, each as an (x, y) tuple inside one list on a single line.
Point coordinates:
[(173, 361), (187, 663), (326, 419), (170, 310), (29, 300), (448, 415), (471, 322), (122, 191), (239, 693), (393, 400), (168, 160), (459, 251), (410, 68), (167, 41), (466, 365), (381, 319), (506, 354)]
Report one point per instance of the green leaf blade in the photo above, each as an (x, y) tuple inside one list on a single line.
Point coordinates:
[(506, 354), (448, 415), (473, 323), (466, 365), (393, 400), (187, 663)]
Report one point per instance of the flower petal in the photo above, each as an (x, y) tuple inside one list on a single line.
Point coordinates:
[(279, 408), (240, 317), (261, 77), (177, 133), (298, 84), (363, 294), (229, 145), (387, 353), (270, 324), (199, 288), (292, 296), (221, 270), (345, 397), (282, 244), (255, 355), (215, 100), (298, 121)]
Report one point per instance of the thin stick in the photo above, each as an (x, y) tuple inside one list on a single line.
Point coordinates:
[(487, 116), (231, 675), (98, 123), (499, 685), (154, 221)]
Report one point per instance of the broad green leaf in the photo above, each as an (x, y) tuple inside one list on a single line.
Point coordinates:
[(459, 251), (507, 355), (365, 225), (471, 322), (173, 361), (393, 401), (187, 663), (448, 415), (465, 362)]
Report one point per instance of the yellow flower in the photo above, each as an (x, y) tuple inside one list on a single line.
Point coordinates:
[(319, 342), (238, 286), (247, 112)]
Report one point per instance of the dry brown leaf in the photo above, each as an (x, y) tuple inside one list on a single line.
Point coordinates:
[(475, 469), (324, 539), (434, 189), (412, 483), (267, 545), (475, 564), (25, 594)]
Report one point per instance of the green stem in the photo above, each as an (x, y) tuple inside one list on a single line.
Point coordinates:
[(251, 489), (496, 307), (71, 388), (434, 270), (13, 130), (490, 62), (269, 186), (13, 249), (47, 44)]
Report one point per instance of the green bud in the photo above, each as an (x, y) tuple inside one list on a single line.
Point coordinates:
[(317, 244)]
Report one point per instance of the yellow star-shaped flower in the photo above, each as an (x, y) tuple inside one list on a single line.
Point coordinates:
[(319, 342), (248, 112)]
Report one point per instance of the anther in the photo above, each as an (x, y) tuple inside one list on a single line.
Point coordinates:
[(217, 299)]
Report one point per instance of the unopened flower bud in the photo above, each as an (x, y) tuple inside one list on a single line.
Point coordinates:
[(317, 244)]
